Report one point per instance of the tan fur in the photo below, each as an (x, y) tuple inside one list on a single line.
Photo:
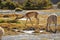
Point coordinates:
[(29, 15), (52, 19), (1, 32)]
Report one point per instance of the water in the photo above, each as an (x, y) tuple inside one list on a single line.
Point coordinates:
[(7, 11), (31, 31), (23, 19), (25, 11), (26, 36)]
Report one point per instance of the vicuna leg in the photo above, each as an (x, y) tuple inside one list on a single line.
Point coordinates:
[(47, 27), (37, 19), (55, 28), (26, 21), (1, 34), (31, 21), (50, 28), (1, 37)]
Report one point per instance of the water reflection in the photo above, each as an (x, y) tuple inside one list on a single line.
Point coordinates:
[(31, 31)]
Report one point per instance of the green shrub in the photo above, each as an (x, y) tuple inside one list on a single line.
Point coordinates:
[(1, 21), (38, 4), (9, 5)]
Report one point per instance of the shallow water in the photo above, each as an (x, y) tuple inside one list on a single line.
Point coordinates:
[(30, 32), (25, 11), (23, 19), (26, 36)]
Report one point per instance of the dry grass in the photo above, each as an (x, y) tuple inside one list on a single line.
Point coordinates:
[(21, 26)]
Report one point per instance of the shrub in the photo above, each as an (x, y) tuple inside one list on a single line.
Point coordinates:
[(1, 21), (9, 5), (39, 4), (58, 5)]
